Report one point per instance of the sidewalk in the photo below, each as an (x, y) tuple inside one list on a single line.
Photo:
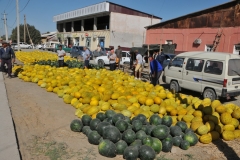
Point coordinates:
[(8, 143)]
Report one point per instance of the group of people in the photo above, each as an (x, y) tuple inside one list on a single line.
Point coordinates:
[(156, 63), (61, 53), (7, 57), (114, 57)]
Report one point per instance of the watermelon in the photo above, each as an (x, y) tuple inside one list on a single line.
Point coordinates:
[(147, 141), (127, 119), (122, 125), (142, 118), (191, 138), (101, 116), (167, 120), (144, 128), (117, 117), (86, 130), (130, 153), (129, 126), (141, 135), (137, 143), (175, 131), (110, 113), (156, 145), (94, 137), (155, 120), (109, 120), (160, 132), (76, 125), (167, 144), (150, 128), (121, 146), (137, 125), (189, 130), (107, 148), (184, 145), (86, 119), (146, 153), (182, 125), (101, 127), (111, 133), (177, 141), (129, 136), (94, 123)]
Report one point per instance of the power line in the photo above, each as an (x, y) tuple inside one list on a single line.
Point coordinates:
[(9, 2), (13, 23), (25, 6)]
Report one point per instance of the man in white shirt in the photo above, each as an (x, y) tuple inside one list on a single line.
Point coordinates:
[(86, 57), (139, 65), (61, 53)]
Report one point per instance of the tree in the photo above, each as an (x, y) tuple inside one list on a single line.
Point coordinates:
[(34, 34), (3, 36)]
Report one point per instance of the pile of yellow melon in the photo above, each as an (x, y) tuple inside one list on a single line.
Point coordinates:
[(31, 57), (94, 91)]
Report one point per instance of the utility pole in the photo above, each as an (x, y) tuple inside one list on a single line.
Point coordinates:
[(18, 34), (24, 27), (5, 25)]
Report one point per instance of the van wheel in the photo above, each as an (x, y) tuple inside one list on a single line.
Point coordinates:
[(209, 93), (174, 86)]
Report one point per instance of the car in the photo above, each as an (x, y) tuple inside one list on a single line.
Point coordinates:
[(103, 52), (213, 74), (25, 45), (64, 47), (103, 60), (14, 46), (39, 46), (78, 51), (168, 58)]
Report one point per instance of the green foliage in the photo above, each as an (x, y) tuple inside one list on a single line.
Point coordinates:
[(34, 34)]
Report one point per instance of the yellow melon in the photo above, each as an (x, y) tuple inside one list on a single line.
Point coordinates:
[(210, 125), (195, 125), (228, 135), (149, 101), (203, 129), (187, 118), (236, 114), (157, 100), (206, 139), (198, 113), (220, 109), (236, 133), (226, 118), (228, 127)]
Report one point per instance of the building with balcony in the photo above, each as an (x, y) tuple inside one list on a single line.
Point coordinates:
[(107, 24)]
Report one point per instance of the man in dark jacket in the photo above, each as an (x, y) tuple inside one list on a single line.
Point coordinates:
[(156, 70), (7, 56), (161, 57)]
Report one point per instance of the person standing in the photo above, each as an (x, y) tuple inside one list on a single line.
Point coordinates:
[(86, 57), (112, 60), (7, 56), (138, 65), (156, 70), (161, 57), (61, 53), (118, 52)]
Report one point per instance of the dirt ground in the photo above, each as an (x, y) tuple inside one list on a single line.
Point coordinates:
[(42, 125)]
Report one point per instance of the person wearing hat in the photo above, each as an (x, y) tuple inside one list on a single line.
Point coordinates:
[(156, 70), (118, 52), (7, 56)]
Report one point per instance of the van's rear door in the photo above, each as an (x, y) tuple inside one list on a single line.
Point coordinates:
[(233, 80)]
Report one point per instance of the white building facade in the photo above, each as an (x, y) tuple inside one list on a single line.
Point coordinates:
[(106, 24)]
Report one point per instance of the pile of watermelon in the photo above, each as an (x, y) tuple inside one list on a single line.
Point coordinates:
[(116, 134)]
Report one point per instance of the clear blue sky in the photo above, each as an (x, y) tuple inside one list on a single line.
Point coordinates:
[(40, 12)]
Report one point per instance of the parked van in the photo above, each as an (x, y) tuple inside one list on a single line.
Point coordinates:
[(50, 46), (213, 74)]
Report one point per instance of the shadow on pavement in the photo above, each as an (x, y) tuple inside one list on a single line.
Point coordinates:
[(228, 152)]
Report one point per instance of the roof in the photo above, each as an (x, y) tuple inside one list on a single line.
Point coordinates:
[(48, 34), (210, 55), (92, 9), (193, 14)]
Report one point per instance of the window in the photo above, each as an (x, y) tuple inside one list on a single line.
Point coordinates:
[(195, 65), (208, 47), (234, 67), (177, 62), (124, 54), (169, 42), (88, 42), (213, 67)]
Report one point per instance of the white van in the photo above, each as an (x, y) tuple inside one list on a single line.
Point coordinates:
[(50, 46), (213, 74)]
